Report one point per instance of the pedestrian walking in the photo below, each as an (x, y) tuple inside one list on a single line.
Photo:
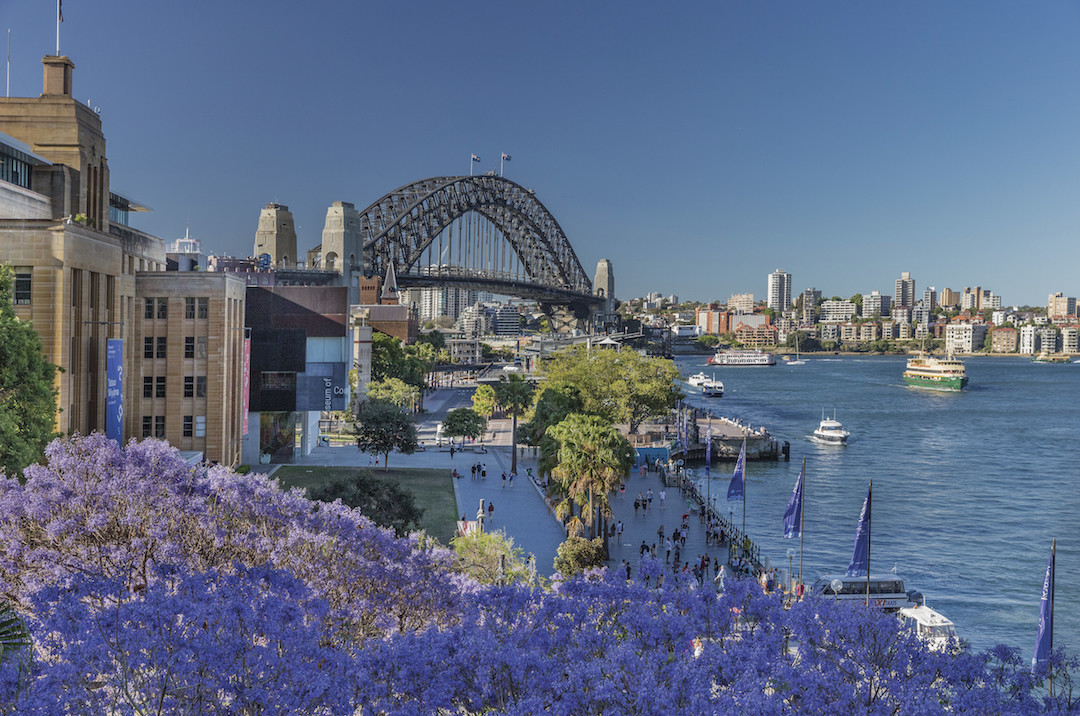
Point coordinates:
[(491, 510), (511, 479), (451, 452), (504, 479), (667, 546), (648, 496), (637, 506), (644, 548), (473, 471), (483, 471)]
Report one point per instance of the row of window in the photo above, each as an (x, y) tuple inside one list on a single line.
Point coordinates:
[(156, 347), (193, 308), (194, 386), (154, 426)]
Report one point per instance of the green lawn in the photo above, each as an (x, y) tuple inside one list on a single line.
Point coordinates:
[(433, 491)]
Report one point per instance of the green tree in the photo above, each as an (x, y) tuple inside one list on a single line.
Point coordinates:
[(484, 401), (435, 338), (16, 646), (591, 459), (464, 422), (382, 501), (514, 394), (553, 403), (709, 340), (387, 355), (577, 554), (382, 428), (394, 391), (491, 558), (27, 388), (620, 386)]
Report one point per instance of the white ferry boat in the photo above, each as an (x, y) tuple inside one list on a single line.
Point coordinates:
[(697, 379), (929, 625), (830, 431), (712, 388), (742, 358), (886, 592)]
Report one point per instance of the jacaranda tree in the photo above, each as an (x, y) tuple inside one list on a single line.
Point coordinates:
[(150, 586)]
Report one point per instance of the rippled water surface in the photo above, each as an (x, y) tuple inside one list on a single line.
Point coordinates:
[(969, 488)]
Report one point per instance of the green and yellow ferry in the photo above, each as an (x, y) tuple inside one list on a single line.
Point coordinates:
[(928, 371)]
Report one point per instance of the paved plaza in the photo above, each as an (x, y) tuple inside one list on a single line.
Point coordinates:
[(520, 509)]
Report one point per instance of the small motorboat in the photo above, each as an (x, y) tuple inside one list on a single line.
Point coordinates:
[(830, 431)]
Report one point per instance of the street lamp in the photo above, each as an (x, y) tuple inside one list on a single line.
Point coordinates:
[(837, 585)]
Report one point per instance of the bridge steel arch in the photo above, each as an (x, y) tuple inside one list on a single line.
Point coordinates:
[(398, 228)]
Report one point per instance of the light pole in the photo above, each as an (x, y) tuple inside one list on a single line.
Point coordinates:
[(837, 585)]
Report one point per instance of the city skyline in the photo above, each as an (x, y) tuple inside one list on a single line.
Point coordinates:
[(843, 143)]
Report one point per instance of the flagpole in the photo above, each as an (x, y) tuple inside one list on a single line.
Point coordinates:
[(58, 27), (802, 512), (1053, 578), (501, 158), (470, 164), (9, 62), (869, 533)]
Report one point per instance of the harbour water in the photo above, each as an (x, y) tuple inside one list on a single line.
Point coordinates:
[(969, 488)]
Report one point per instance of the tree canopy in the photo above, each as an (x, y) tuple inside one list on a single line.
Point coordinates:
[(27, 388), (382, 501), (515, 395), (141, 579), (620, 386), (382, 428), (464, 423)]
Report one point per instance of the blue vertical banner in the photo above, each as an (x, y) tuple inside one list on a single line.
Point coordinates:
[(737, 486), (708, 449), (860, 557), (114, 389), (1044, 641), (793, 513)]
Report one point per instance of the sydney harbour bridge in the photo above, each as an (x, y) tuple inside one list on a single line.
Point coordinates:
[(482, 232)]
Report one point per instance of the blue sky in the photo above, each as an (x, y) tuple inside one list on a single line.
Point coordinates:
[(699, 146)]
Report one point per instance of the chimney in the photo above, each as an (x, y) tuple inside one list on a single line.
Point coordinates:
[(58, 72)]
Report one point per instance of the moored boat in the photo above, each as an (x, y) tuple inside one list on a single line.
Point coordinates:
[(741, 357), (929, 625), (830, 431), (929, 371)]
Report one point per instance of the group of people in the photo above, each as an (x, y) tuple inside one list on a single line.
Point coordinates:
[(478, 471)]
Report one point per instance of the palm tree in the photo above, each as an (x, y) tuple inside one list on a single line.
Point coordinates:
[(514, 394), (592, 458), (15, 645)]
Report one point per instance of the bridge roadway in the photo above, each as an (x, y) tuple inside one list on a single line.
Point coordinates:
[(521, 511)]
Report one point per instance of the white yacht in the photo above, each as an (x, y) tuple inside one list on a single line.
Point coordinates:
[(931, 626), (713, 388), (831, 431), (697, 379)]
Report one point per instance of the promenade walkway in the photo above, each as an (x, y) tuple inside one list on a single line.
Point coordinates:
[(521, 511)]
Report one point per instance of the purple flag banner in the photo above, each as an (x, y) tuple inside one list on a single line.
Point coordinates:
[(793, 513), (1044, 641), (738, 478), (860, 558)]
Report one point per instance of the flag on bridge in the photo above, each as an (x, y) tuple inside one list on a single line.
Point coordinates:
[(1044, 641), (505, 156), (860, 558), (475, 158)]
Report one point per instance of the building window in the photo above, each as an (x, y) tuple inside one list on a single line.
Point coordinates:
[(200, 347), (200, 386), (148, 313), (204, 308), (160, 387), (189, 386), (159, 426), (147, 426), (189, 346), (162, 308), (189, 426), (22, 286), (200, 426), (189, 308), (148, 387), (148, 347), (161, 346), (277, 380)]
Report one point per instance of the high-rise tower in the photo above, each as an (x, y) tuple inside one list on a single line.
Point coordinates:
[(905, 291), (779, 290)]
